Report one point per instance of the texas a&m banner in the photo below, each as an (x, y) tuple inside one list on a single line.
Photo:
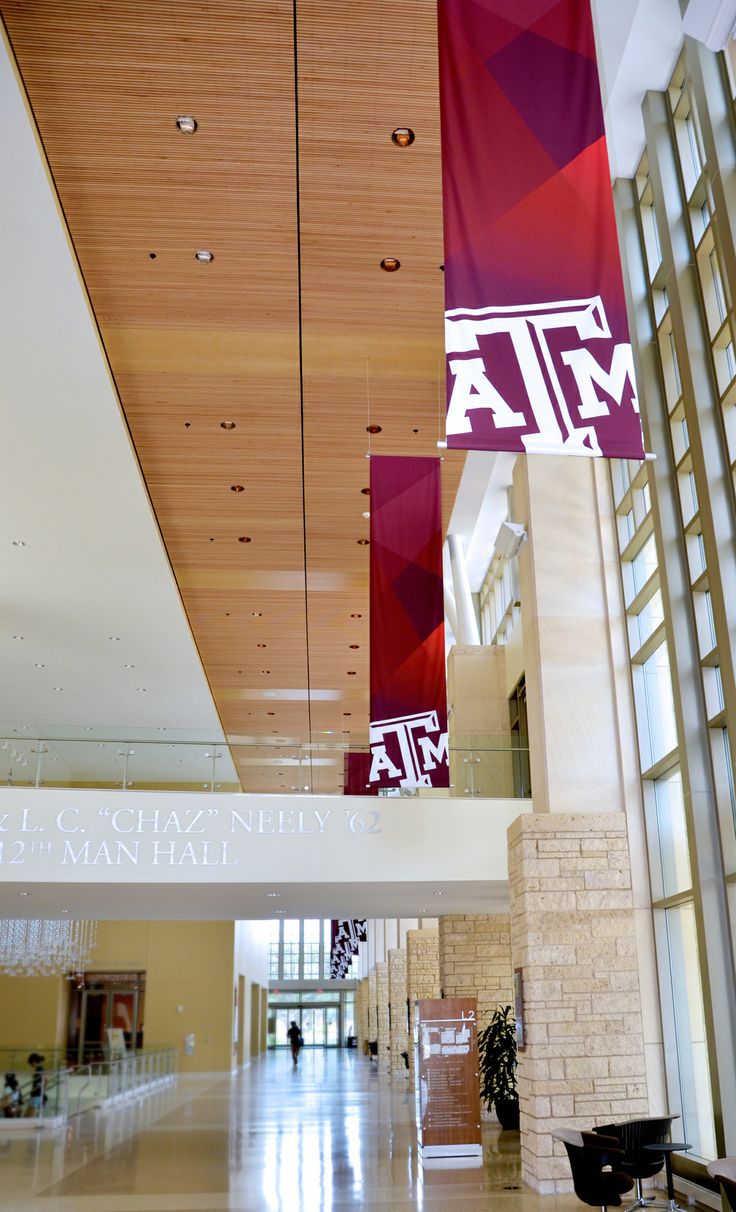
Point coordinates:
[(408, 729), (538, 350), (344, 939)]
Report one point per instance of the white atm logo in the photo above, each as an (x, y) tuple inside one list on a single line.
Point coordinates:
[(520, 337), (407, 748)]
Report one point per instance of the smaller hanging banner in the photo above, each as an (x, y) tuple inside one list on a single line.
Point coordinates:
[(345, 937), (408, 730), (538, 349)]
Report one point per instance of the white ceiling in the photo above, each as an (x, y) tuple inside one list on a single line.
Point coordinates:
[(222, 901), (93, 565)]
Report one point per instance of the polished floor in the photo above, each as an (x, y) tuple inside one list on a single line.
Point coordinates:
[(330, 1136)]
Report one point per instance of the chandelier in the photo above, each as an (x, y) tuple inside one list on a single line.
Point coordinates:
[(45, 948)]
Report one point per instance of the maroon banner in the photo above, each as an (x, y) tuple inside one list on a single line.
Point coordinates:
[(357, 768), (408, 732), (538, 351)]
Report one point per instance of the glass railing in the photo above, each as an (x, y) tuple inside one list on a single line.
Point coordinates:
[(61, 1089), (479, 766)]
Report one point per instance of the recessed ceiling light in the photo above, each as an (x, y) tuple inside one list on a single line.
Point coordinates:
[(356, 616), (204, 256), (363, 542), (245, 538), (373, 428), (39, 665), (25, 894), (115, 638), (353, 645), (390, 264), (352, 673), (261, 645), (58, 688), (66, 911), (273, 894), (236, 488), (87, 727), (440, 893), (227, 425), (403, 136), (141, 689), (19, 543), (188, 125), (128, 666), (270, 713), (265, 671), (19, 637)]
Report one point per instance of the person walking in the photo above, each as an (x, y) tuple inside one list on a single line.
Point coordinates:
[(294, 1037)]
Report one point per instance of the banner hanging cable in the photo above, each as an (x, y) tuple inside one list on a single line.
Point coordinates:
[(536, 336)]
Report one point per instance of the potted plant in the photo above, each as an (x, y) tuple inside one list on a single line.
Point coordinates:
[(497, 1056)]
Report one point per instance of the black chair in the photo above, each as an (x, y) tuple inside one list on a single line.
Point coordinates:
[(724, 1169), (640, 1163), (590, 1154)]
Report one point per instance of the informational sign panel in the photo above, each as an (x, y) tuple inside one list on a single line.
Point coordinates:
[(448, 1087)]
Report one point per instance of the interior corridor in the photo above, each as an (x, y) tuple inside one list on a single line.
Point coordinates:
[(330, 1136)]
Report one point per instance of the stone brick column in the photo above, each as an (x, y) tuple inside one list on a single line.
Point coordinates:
[(475, 959), (573, 933), (383, 1030), (372, 1016), (364, 1024), (397, 1002), (422, 974)]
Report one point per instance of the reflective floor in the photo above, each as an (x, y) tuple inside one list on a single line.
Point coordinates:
[(330, 1136)]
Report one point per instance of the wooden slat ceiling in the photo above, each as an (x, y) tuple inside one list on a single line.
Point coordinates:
[(282, 194)]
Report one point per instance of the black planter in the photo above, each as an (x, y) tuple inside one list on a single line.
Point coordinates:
[(507, 1111)]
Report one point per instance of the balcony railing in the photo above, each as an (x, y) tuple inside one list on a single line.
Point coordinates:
[(492, 767)]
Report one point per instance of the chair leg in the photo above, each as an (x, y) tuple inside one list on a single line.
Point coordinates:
[(644, 1201)]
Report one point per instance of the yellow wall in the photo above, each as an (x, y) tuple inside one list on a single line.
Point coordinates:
[(187, 965), (33, 1012)]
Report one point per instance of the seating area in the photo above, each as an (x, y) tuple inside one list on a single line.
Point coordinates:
[(610, 1159)]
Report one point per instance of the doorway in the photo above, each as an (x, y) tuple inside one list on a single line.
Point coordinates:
[(100, 1003), (319, 1025)]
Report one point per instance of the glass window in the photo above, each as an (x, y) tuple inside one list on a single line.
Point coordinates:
[(655, 706), (726, 795), (691, 1060), (646, 622), (644, 564), (672, 843)]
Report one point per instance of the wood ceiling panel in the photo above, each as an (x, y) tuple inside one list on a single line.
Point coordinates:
[(192, 345)]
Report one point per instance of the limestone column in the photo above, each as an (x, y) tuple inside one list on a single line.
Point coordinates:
[(578, 907), (399, 1033), (475, 960), (422, 975), (372, 1005), (383, 1029)]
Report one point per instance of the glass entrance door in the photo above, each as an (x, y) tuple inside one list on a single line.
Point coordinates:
[(319, 1025)]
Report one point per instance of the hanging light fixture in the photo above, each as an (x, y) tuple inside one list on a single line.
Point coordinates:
[(45, 947)]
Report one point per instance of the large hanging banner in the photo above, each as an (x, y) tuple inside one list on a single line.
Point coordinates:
[(408, 731), (538, 351)]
